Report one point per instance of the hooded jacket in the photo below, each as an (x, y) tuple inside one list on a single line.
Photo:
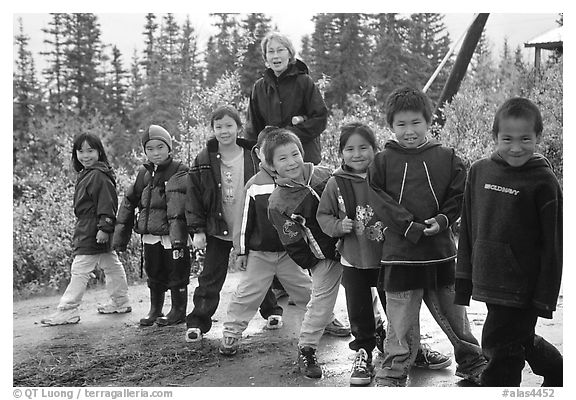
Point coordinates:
[(426, 182), (95, 206), (204, 211), (510, 245), (159, 193), (292, 210), (275, 100), (363, 247)]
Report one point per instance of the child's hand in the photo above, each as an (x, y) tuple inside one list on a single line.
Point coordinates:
[(433, 227), (102, 237), (347, 225), (241, 263), (199, 240)]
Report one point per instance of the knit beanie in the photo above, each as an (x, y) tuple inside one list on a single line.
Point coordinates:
[(158, 133)]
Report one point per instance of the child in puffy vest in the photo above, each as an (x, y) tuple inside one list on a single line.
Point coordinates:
[(95, 206), (159, 194)]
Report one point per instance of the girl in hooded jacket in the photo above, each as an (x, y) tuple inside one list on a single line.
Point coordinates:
[(95, 206)]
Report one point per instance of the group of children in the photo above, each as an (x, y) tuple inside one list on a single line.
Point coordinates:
[(380, 223)]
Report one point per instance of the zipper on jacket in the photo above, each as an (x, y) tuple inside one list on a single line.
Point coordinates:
[(149, 198)]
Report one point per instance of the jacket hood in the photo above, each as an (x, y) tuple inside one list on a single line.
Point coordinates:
[(102, 167), (295, 67), (345, 172), (429, 143), (212, 144), (536, 161), (289, 182), (272, 174)]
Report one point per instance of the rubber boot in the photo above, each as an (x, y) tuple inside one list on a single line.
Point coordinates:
[(156, 304), (177, 313)]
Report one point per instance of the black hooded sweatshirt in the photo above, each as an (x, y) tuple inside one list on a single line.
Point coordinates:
[(510, 247)]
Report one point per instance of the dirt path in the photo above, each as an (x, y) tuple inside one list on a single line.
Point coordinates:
[(113, 350)]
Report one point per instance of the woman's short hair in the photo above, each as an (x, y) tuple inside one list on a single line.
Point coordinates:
[(280, 38)]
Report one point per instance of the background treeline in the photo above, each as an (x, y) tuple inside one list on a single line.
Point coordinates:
[(356, 59)]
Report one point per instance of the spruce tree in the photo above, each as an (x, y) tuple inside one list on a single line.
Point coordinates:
[(55, 74), (27, 97), (221, 52), (254, 28), (82, 56)]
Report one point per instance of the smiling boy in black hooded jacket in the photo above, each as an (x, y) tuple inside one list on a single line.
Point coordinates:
[(510, 248)]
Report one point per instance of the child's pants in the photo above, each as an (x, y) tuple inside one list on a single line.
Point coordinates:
[(82, 265), (210, 281), (508, 340), (453, 320), (261, 268), (358, 284), (163, 271), (326, 277), (402, 334)]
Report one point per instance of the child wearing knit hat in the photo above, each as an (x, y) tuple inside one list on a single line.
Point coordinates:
[(159, 193)]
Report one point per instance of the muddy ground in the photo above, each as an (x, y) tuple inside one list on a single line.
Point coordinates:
[(112, 350)]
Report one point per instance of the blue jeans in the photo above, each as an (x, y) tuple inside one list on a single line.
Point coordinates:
[(403, 334), (454, 322)]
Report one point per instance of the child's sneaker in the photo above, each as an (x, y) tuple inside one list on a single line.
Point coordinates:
[(473, 372), (274, 322), (308, 363), (229, 345), (193, 335), (62, 317), (111, 308), (362, 369), (336, 328), (380, 337), (431, 359)]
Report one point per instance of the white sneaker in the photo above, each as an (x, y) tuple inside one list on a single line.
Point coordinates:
[(193, 335), (274, 322), (62, 317), (111, 308)]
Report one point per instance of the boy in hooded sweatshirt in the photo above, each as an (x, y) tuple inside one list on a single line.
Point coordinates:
[(422, 184), (510, 248)]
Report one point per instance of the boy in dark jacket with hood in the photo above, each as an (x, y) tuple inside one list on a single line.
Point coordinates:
[(510, 248), (159, 193), (421, 183)]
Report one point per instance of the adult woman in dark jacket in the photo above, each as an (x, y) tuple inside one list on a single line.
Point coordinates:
[(287, 97)]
